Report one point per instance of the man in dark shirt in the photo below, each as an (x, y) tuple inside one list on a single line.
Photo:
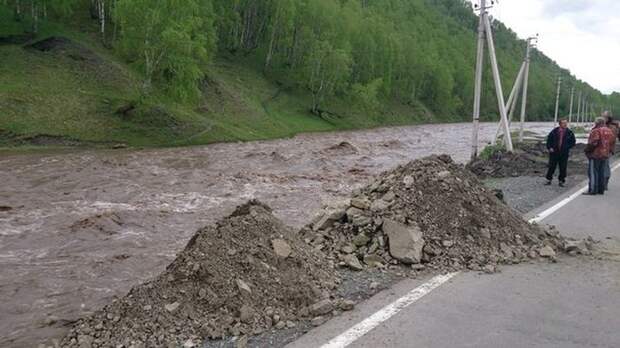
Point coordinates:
[(559, 143)]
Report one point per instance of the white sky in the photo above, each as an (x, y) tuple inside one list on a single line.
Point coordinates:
[(581, 35)]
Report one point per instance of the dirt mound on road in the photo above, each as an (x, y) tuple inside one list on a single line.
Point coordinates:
[(429, 213), (243, 276), (502, 164), (528, 159)]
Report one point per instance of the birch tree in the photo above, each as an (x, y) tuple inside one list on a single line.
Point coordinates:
[(171, 40), (326, 72)]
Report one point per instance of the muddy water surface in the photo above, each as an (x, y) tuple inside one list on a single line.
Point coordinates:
[(78, 228)]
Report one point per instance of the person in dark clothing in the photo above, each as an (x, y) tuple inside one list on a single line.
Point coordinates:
[(559, 143)]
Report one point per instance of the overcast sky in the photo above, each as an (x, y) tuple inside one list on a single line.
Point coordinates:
[(581, 35)]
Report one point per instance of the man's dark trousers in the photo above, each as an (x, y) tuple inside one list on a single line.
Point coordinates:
[(596, 174), (555, 160)]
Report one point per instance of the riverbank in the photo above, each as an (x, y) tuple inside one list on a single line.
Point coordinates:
[(66, 89)]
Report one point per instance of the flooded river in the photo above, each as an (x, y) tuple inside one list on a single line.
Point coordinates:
[(78, 228)]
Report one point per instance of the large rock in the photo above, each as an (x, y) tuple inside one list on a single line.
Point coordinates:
[(353, 213), (379, 205), (172, 307), (322, 307), (328, 219), (353, 262), (360, 203), (578, 246), (373, 260), (388, 197), (244, 288), (318, 321), (281, 248), (546, 251), (408, 181), (246, 314), (405, 242), (361, 240), (348, 249), (361, 221), (357, 217)]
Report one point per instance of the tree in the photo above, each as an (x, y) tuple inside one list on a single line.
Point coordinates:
[(367, 96), (171, 40), (326, 72)]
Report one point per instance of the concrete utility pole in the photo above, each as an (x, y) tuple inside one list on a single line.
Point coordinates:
[(570, 113), (478, 81), (557, 99), (498, 84), (584, 111), (512, 99), (484, 30), (525, 85), (579, 109)]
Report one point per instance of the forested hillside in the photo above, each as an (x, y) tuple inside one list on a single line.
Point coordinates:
[(195, 71)]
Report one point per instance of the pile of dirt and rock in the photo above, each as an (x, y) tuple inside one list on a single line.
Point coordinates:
[(501, 163), (247, 274), (528, 159), (430, 213)]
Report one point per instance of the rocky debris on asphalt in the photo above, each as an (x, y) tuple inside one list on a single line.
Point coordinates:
[(528, 159), (547, 251), (430, 214), (271, 280), (579, 247)]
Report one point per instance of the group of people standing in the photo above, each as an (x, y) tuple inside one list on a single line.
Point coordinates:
[(601, 146)]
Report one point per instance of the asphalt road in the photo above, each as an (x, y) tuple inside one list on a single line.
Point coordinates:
[(572, 303)]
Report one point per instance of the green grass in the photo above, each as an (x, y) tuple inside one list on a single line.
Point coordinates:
[(46, 93), (491, 150)]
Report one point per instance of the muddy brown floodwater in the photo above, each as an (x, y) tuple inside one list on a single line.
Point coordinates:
[(78, 228)]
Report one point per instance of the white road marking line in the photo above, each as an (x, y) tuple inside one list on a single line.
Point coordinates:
[(385, 313), (545, 214)]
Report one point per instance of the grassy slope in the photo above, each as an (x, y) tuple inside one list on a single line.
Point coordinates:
[(53, 94)]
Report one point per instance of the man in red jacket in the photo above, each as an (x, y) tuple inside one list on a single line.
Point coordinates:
[(598, 151), (615, 129)]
